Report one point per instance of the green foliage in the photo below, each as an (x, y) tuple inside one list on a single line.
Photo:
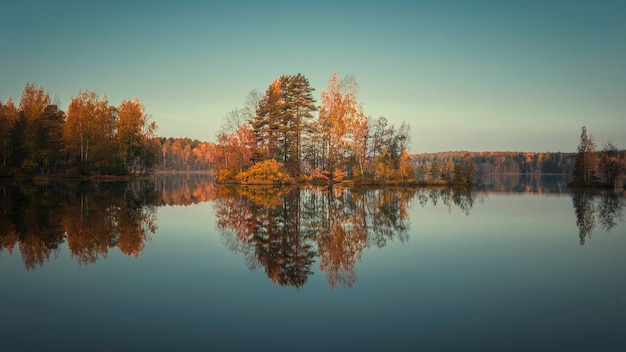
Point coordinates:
[(283, 121)]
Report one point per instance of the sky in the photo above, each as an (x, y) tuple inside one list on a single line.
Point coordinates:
[(465, 75)]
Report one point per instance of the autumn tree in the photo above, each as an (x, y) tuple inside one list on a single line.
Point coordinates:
[(135, 136), (236, 152), (389, 149), (341, 124), (33, 103), (49, 139), (587, 160), (89, 132), (611, 165), (8, 116), (241, 116)]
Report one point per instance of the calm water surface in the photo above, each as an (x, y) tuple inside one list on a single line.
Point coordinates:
[(181, 264)]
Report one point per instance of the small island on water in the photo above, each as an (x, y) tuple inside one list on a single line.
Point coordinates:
[(278, 137)]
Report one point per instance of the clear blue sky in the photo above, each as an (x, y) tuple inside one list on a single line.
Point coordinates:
[(466, 75)]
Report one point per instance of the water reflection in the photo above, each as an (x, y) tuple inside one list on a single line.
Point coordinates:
[(463, 198), (282, 230), (530, 183), (91, 217), (286, 232), (605, 206)]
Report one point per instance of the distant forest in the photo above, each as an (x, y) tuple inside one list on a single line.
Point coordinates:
[(434, 165)]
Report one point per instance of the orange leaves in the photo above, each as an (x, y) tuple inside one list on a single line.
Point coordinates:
[(266, 172)]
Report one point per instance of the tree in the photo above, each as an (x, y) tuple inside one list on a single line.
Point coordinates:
[(89, 131), (33, 103), (8, 116), (342, 124), (283, 121), (298, 115), (237, 152), (434, 170), (134, 133), (49, 138), (611, 165), (587, 159), (266, 124), (17, 142)]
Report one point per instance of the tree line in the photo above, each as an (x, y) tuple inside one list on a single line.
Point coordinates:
[(92, 137), (441, 166)]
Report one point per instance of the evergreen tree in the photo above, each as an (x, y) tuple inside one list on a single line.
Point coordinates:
[(283, 121), (266, 124), (298, 115)]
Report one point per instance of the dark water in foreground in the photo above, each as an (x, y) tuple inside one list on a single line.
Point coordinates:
[(181, 264)]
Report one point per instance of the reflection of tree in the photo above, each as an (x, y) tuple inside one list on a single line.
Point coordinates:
[(610, 208), (184, 189), (340, 233), (461, 197), (280, 231), (585, 214), (265, 223), (32, 222), (91, 217), (604, 205)]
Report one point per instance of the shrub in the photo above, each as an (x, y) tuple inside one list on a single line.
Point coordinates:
[(266, 172)]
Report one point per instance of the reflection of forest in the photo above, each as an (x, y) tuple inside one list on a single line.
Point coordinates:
[(596, 207), (530, 183), (90, 217), (283, 230), (184, 189)]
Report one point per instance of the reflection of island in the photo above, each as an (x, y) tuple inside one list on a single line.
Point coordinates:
[(605, 206), (91, 217), (284, 230)]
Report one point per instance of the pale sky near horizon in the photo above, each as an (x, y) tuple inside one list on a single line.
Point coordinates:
[(466, 75)]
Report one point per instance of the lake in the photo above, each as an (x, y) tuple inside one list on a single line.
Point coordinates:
[(180, 263)]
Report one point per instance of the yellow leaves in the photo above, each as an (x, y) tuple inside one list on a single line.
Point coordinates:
[(266, 172), (339, 175)]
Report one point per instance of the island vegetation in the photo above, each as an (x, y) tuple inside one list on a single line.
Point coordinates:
[(593, 168)]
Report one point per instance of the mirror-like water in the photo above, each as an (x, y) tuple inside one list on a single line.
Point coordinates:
[(181, 263)]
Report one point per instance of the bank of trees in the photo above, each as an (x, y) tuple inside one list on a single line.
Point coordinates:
[(327, 143), (92, 137)]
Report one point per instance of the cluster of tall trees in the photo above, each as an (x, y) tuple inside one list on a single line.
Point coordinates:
[(92, 137), (606, 167), (333, 141)]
